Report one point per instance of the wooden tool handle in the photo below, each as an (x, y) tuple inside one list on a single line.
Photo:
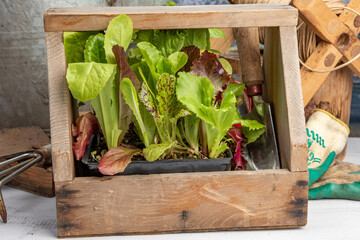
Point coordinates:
[(247, 40)]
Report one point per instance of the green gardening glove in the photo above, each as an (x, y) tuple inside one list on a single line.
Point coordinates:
[(317, 172), (349, 191), (327, 136), (340, 181)]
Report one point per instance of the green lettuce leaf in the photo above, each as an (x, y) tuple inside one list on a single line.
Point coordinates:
[(196, 93), (170, 3), (94, 49), (119, 32), (74, 43), (226, 65), (144, 36), (169, 42), (106, 107), (190, 128), (175, 62), (155, 151), (86, 80), (251, 129), (154, 60), (216, 33), (197, 37), (131, 98)]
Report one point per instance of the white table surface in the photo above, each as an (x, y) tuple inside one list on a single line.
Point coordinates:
[(34, 217)]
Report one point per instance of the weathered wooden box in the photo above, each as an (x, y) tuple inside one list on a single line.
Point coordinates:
[(184, 202)]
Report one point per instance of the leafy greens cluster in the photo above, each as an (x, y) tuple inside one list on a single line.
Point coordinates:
[(180, 101)]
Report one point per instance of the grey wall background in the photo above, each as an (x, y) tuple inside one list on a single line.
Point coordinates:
[(23, 70)]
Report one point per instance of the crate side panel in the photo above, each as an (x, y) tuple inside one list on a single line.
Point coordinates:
[(294, 99), (93, 19), (60, 109), (187, 202), (283, 92)]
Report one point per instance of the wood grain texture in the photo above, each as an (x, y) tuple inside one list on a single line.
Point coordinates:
[(326, 56), (332, 29), (247, 41), (92, 19), (184, 202), (221, 44), (282, 90), (22, 139), (60, 109)]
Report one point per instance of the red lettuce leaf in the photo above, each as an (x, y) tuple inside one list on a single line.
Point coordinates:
[(193, 53), (124, 67), (125, 71), (86, 125), (210, 67), (116, 159), (239, 160)]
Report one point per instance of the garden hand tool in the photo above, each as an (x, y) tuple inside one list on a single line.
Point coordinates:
[(327, 137), (263, 152), (24, 161)]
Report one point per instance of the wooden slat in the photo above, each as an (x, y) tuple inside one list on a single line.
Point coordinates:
[(326, 56), (289, 53), (184, 202), (60, 109), (92, 19), (282, 91), (22, 139)]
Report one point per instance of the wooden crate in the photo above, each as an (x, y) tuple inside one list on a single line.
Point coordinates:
[(184, 202)]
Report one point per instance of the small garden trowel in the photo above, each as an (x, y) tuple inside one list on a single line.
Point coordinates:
[(263, 152)]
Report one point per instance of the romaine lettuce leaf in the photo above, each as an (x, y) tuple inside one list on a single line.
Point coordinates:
[(86, 80), (94, 49), (74, 43), (131, 98), (197, 37), (196, 93), (119, 32), (169, 42)]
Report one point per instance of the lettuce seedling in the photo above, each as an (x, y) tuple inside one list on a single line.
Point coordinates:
[(98, 79), (198, 95)]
